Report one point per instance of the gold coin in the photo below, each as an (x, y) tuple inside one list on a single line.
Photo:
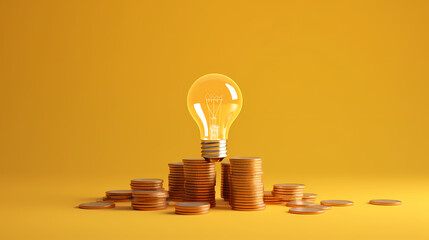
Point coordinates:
[(147, 180), (337, 203), (299, 203), (150, 208), (176, 164), (107, 199), (309, 196), (97, 205), (323, 207), (385, 202), (118, 192), (289, 185), (305, 210), (118, 197), (192, 204)]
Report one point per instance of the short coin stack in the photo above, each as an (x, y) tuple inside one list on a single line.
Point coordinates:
[(148, 200), (270, 199), (176, 182), (247, 189), (200, 181), (288, 191), (192, 208), (118, 196), (225, 181), (311, 197), (146, 184)]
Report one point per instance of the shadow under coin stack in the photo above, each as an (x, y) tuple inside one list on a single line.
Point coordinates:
[(118, 196), (146, 184), (225, 181), (200, 181), (192, 208), (148, 200), (247, 189), (176, 182), (288, 191), (270, 199)]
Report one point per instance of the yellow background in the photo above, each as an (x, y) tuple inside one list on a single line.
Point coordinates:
[(93, 94)]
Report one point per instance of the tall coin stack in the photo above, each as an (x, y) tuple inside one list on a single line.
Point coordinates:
[(149, 200), (225, 181), (146, 184), (247, 189), (176, 182), (288, 191), (200, 181)]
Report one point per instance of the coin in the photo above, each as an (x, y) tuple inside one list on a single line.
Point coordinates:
[(108, 199), (305, 210), (119, 192), (97, 205), (192, 204), (337, 203), (289, 185), (323, 207), (385, 202), (147, 180), (299, 203)]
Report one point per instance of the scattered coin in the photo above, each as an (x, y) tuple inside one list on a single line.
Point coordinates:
[(305, 210), (323, 207), (97, 205), (336, 203), (299, 203), (385, 202)]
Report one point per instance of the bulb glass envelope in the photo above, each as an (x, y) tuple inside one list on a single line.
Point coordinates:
[(214, 102)]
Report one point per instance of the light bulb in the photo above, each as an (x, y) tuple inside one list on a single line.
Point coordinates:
[(214, 102)]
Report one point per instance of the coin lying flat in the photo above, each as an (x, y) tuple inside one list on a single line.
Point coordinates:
[(119, 192), (299, 203), (385, 202), (289, 185), (337, 203), (323, 207), (306, 210), (97, 205)]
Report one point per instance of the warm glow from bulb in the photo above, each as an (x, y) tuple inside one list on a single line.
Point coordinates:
[(214, 102)]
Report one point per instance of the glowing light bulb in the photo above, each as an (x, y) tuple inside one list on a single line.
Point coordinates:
[(214, 102)]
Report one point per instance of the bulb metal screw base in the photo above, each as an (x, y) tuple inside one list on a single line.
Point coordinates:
[(213, 150)]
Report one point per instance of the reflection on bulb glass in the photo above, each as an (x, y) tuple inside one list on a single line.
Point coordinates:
[(214, 102)]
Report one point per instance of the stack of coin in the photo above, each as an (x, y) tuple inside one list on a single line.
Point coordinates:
[(247, 189), (311, 197), (200, 181), (225, 181), (288, 191), (118, 196), (270, 199), (176, 182), (192, 208), (146, 184), (149, 200)]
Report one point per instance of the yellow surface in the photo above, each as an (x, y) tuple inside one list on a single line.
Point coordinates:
[(93, 94)]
